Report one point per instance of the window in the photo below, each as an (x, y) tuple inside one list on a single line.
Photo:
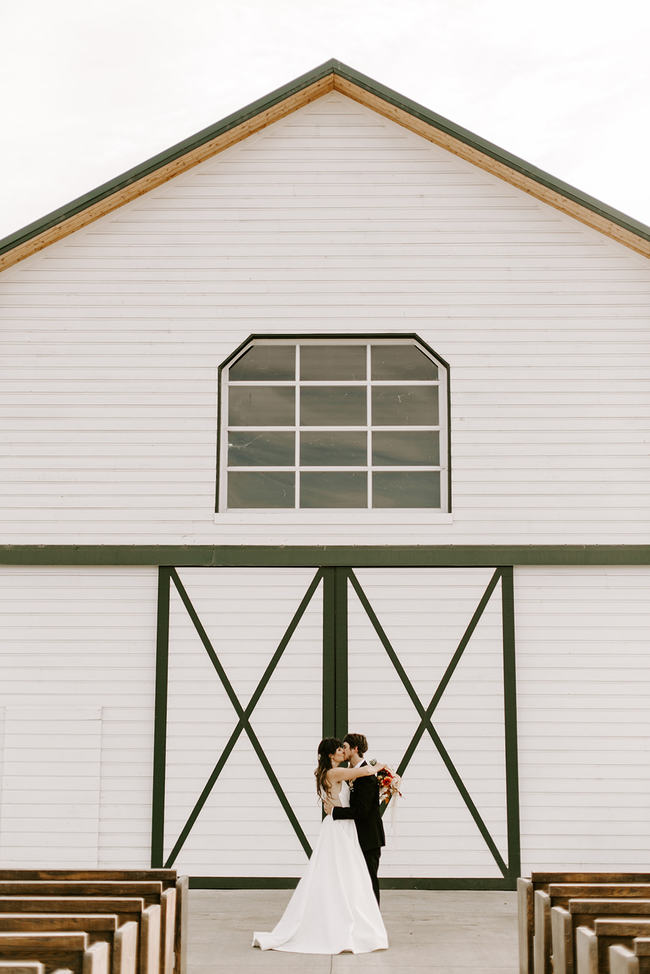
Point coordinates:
[(341, 422)]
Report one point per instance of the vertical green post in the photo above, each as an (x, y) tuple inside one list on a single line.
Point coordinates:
[(160, 719), (510, 705), (329, 651), (335, 652), (341, 653)]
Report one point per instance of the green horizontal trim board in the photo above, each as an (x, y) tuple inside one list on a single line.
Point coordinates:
[(287, 882), (321, 556), (268, 101)]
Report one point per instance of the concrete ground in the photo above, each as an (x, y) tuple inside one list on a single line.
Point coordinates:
[(451, 932)]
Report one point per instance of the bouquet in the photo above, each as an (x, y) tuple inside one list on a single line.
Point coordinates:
[(389, 783)]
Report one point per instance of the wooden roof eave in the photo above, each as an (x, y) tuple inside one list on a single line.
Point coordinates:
[(333, 75)]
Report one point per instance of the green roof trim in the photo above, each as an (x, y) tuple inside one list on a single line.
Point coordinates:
[(331, 67)]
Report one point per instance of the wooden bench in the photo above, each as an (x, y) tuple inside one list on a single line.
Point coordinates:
[(122, 938), (625, 960), (167, 877), (127, 909), (526, 889), (560, 894), (8, 967), (586, 914), (593, 943), (56, 950), (150, 891), (541, 881)]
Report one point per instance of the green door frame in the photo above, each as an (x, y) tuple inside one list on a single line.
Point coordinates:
[(336, 582)]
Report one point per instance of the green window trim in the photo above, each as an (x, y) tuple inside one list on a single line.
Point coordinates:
[(286, 503)]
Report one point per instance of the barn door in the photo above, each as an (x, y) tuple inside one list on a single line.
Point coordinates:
[(254, 666), (238, 709), (431, 683)]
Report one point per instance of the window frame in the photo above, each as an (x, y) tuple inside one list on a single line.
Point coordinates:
[(440, 514)]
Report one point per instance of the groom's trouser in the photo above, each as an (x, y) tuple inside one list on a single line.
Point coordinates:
[(372, 862)]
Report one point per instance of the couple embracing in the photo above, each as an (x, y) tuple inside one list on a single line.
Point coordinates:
[(335, 906)]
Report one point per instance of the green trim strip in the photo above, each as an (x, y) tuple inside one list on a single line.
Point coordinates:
[(160, 720), (510, 710), (289, 882), (331, 67), (240, 711), (329, 653), (444, 754), (341, 652), (313, 556), (227, 750)]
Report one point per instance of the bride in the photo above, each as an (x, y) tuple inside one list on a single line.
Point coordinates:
[(333, 907)]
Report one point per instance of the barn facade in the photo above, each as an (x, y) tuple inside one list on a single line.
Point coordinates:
[(332, 417)]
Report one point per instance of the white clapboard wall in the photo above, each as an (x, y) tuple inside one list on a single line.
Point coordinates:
[(583, 672), (77, 673), (242, 829), (332, 220), (424, 614)]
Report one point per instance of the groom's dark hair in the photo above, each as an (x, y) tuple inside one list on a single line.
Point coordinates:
[(358, 741)]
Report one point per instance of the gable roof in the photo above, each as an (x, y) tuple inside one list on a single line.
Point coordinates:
[(331, 76)]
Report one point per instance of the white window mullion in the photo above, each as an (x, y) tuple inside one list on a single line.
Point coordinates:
[(296, 485), (369, 424)]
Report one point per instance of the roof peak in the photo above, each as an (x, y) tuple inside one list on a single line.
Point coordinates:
[(331, 75)]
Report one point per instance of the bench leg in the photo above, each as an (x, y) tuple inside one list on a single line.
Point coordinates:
[(586, 951), (525, 924), (542, 945), (562, 940), (622, 961)]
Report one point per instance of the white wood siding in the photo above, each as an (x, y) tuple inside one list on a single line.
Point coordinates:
[(77, 669), (583, 674), (332, 220)]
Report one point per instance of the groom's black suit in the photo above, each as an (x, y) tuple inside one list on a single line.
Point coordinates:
[(364, 810)]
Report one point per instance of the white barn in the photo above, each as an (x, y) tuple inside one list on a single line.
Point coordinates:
[(332, 417)]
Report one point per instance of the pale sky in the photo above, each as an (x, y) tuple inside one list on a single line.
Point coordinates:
[(92, 87)]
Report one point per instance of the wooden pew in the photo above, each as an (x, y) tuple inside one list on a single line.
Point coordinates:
[(55, 950), (526, 889), (33, 967), (127, 909), (122, 938), (593, 943), (150, 891), (559, 894), (586, 913), (168, 878)]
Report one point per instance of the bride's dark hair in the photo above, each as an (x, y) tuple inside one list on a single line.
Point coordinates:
[(326, 749)]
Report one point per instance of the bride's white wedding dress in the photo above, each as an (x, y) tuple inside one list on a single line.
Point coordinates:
[(333, 907)]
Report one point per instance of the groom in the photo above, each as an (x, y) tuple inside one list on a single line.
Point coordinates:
[(364, 808)]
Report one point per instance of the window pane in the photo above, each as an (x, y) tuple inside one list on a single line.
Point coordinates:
[(401, 362), (333, 489), (261, 406), (333, 449), (261, 449), (406, 489), (265, 362), (333, 362), (405, 406), (333, 406), (405, 448), (261, 489)]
